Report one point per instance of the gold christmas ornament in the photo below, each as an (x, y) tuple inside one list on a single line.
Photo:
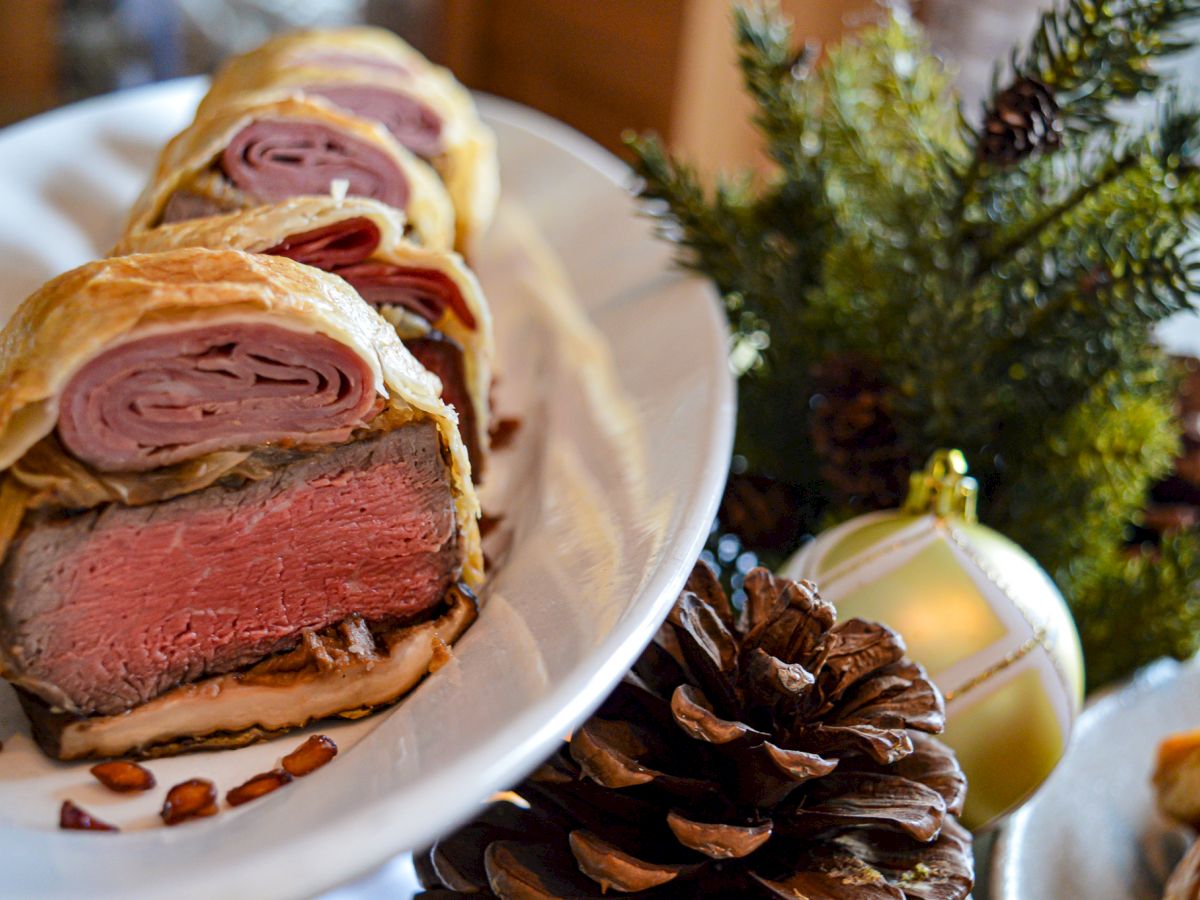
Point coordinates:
[(978, 613)]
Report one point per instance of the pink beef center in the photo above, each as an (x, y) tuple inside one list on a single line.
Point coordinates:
[(113, 608), (274, 159)]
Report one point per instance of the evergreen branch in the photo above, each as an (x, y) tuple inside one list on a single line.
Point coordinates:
[(1177, 141), (1031, 232), (1102, 163), (793, 216), (773, 74), (747, 244), (1051, 320), (1098, 463), (1094, 52), (966, 185), (1135, 608), (890, 139), (1106, 294), (710, 233), (1105, 453)]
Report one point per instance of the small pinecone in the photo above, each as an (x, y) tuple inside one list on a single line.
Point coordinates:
[(765, 513), (1023, 119), (770, 753), (863, 462)]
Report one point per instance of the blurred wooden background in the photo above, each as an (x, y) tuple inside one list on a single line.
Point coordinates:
[(607, 65), (599, 65), (28, 58)]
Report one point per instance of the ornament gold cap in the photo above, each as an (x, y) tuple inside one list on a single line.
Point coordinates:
[(943, 488)]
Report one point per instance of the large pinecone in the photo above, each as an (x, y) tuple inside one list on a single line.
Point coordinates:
[(770, 753), (864, 464), (1023, 119)]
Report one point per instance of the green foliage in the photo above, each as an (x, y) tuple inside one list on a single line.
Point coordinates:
[(1093, 52), (1136, 607), (1095, 463), (1008, 307), (1070, 288)]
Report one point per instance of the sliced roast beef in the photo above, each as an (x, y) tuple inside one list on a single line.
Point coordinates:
[(410, 121), (172, 396), (444, 358), (345, 248), (217, 579), (339, 244), (274, 159), (425, 292)]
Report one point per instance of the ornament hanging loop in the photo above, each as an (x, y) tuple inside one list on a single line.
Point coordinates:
[(943, 488)]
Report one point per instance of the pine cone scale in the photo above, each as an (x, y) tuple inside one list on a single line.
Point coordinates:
[(694, 714), (768, 774), (459, 865), (517, 870), (704, 584), (800, 765), (859, 650), (772, 677), (844, 872), (611, 867), (869, 800), (607, 754), (581, 802), (886, 746), (933, 765), (719, 841), (709, 651), (789, 620), (462, 870), (899, 696)]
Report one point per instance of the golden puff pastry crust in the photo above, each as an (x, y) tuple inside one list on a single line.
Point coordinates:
[(187, 162), (306, 46)]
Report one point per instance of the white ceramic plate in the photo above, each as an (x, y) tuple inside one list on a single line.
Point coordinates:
[(607, 494), (1092, 830)]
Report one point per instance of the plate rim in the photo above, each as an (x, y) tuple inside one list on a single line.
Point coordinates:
[(568, 702)]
